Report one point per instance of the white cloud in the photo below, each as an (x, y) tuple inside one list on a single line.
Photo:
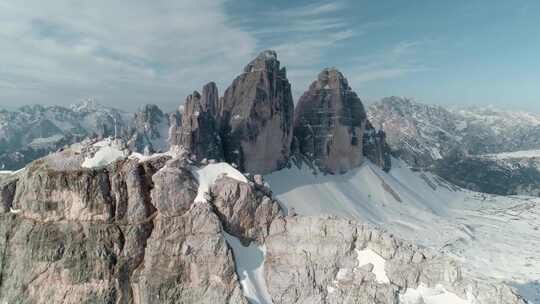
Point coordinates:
[(310, 10), (127, 52), (398, 61)]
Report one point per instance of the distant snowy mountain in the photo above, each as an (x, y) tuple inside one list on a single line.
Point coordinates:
[(453, 143), (34, 131)]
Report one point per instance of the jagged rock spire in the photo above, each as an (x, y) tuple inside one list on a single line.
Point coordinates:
[(256, 114), (329, 123), (198, 133)]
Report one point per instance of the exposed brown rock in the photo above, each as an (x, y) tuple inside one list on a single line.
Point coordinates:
[(329, 123), (199, 134), (256, 116), (246, 212)]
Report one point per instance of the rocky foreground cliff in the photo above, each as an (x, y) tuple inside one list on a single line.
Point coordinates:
[(161, 229)]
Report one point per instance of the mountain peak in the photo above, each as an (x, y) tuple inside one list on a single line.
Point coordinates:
[(331, 79), (266, 60)]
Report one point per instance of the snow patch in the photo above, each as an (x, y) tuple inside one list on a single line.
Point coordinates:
[(514, 155), (207, 175), (426, 295), (15, 211), (250, 269), (368, 256), (107, 153)]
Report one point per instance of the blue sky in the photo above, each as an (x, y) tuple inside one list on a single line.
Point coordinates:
[(128, 53)]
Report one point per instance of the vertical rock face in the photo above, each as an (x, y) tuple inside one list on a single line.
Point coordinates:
[(329, 123), (246, 210), (376, 149), (186, 258), (199, 133), (210, 98), (175, 129), (126, 233), (256, 116), (150, 129)]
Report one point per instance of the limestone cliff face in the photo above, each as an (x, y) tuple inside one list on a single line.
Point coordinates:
[(256, 114), (329, 123), (199, 133), (126, 233), (319, 260), (131, 232), (375, 147)]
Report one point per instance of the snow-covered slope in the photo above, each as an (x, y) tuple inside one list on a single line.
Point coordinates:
[(495, 237)]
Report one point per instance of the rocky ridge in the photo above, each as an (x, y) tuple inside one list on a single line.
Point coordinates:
[(133, 232)]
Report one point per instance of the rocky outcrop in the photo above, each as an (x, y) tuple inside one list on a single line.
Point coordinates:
[(134, 232), (187, 259), (256, 114), (375, 147), (149, 130), (199, 133), (125, 233), (247, 210), (175, 129), (329, 123), (8, 185), (331, 260)]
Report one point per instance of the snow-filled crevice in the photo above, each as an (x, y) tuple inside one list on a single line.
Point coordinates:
[(249, 263)]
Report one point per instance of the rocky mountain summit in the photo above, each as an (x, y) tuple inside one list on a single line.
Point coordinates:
[(329, 123), (331, 126), (256, 127), (199, 131), (255, 116), (149, 130)]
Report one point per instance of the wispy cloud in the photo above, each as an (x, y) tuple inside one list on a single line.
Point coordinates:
[(397, 61), (128, 52), (303, 36), (309, 10)]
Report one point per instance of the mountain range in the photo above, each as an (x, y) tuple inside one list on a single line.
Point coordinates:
[(468, 147), (249, 198)]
